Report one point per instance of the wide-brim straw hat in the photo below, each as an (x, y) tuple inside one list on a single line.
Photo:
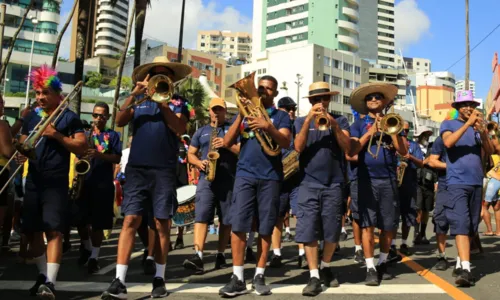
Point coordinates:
[(180, 70), (359, 94), (320, 88), (421, 130)]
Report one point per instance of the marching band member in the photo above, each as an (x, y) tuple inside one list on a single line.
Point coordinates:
[(215, 195), (377, 184), (464, 139), (151, 170), (320, 201), (6, 151), (256, 186), (98, 193), (46, 191)]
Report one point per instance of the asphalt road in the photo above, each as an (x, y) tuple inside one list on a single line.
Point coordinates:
[(415, 276)]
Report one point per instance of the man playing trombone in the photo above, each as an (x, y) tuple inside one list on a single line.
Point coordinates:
[(377, 180), (45, 204)]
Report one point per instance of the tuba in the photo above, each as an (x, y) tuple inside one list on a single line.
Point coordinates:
[(254, 108), (390, 124), (212, 156), (290, 164)]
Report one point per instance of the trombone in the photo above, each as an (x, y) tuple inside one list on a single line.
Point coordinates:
[(390, 124), (35, 137)]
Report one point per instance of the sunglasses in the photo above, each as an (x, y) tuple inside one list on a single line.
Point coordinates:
[(377, 96), (467, 104), (289, 109), (406, 130), (94, 115)]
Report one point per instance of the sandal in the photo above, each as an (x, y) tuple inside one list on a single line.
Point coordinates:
[(488, 233)]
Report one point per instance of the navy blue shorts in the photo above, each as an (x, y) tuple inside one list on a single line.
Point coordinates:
[(288, 197), (463, 208), (439, 219), (284, 204), (95, 207), (211, 196), (407, 206), (255, 198), (46, 205), (150, 190), (353, 189), (319, 212), (294, 197), (378, 201)]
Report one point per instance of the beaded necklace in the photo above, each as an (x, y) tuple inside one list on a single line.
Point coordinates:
[(41, 113), (104, 145), (245, 132)]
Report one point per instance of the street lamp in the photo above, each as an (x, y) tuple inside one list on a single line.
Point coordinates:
[(35, 22), (299, 84)]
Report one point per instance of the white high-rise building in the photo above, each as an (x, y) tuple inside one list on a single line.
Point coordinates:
[(111, 28), (460, 86)]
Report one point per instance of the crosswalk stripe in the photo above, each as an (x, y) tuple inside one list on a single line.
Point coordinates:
[(200, 288)]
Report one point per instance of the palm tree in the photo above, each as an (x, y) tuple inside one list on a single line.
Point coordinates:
[(13, 41), (192, 90), (61, 34)]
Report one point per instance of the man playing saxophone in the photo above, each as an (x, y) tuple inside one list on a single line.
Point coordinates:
[(212, 193), (96, 201), (257, 183), (46, 191)]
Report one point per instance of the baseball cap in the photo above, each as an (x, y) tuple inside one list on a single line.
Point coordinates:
[(286, 102), (217, 102)]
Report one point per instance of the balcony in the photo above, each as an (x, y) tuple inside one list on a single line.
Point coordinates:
[(351, 13), (353, 2), (349, 26), (349, 41)]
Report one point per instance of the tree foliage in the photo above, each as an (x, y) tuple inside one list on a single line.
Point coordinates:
[(126, 83), (93, 80), (193, 91)]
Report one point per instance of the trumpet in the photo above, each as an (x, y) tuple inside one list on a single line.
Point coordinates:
[(321, 122), (246, 89), (390, 124), (35, 137)]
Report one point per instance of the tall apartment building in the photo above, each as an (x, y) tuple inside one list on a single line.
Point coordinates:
[(47, 14), (107, 29), (376, 37), (332, 24), (225, 43), (414, 64), (460, 86)]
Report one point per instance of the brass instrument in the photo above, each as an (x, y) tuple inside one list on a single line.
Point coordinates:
[(403, 164), (254, 108), (35, 137), (390, 124), (492, 128), (82, 167), (212, 156), (321, 122), (290, 164)]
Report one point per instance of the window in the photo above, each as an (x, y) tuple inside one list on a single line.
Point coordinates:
[(259, 71), (346, 100), (202, 44), (357, 70), (264, 71), (348, 67), (348, 84), (217, 72), (327, 61), (335, 98), (326, 77), (337, 64), (336, 80), (202, 36), (246, 74)]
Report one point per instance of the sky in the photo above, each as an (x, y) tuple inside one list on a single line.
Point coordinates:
[(424, 28)]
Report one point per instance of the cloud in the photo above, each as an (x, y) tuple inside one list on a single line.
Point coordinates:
[(411, 23)]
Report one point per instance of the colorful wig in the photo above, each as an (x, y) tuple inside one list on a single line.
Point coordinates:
[(45, 77), (452, 114)]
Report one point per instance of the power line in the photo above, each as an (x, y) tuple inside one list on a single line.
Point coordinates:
[(491, 32)]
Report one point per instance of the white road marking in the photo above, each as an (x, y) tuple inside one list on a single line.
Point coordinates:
[(200, 288), (112, 266)]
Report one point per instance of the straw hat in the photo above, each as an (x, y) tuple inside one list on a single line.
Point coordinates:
[(180, 70), (320, 88), (421, 130), (359, 94)]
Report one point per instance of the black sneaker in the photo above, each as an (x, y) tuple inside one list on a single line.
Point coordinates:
[(313, 287), (220, 261), (456, 271), (66, 247), (288, 238), (302, 261), (84, 257), (116, 290), (424, 241), (159, 289), (39, 281), (418, 240), (328, 277), (259, 285), (343, 236), (234, 288), (194, 263), (149, 267), (93, 266), (46, 291), (359, 257), (393, 255), (249, 256), (404, 249), (442, 264), (145, 256), (275, 261), (179, 244), (465, 279), (383, 274), (372, 277)]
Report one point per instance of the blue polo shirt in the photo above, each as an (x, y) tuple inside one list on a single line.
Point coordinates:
[(53, 158), (226, 164), (154, 145), (438, 148), (322, 160), (463, 163), (415, 150), (384, 166), (352, 170), (101, 171), (253, 161)]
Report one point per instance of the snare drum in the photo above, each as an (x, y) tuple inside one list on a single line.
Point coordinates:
[(185, 210)]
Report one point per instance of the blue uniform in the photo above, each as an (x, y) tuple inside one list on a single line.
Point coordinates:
[(464, 178), (96, 204), (151, 168), (377, 185), (441, 225), (290, 187), (321, 201), (257, 185), (46, 202), (218, 193)]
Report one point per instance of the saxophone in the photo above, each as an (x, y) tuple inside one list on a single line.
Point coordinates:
[(212, 156), (290, 164), (401, 169), (82, 167)]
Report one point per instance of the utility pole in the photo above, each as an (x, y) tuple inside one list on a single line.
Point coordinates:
[(299, 84), (467, 46), (3, 9), (181, 33)]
